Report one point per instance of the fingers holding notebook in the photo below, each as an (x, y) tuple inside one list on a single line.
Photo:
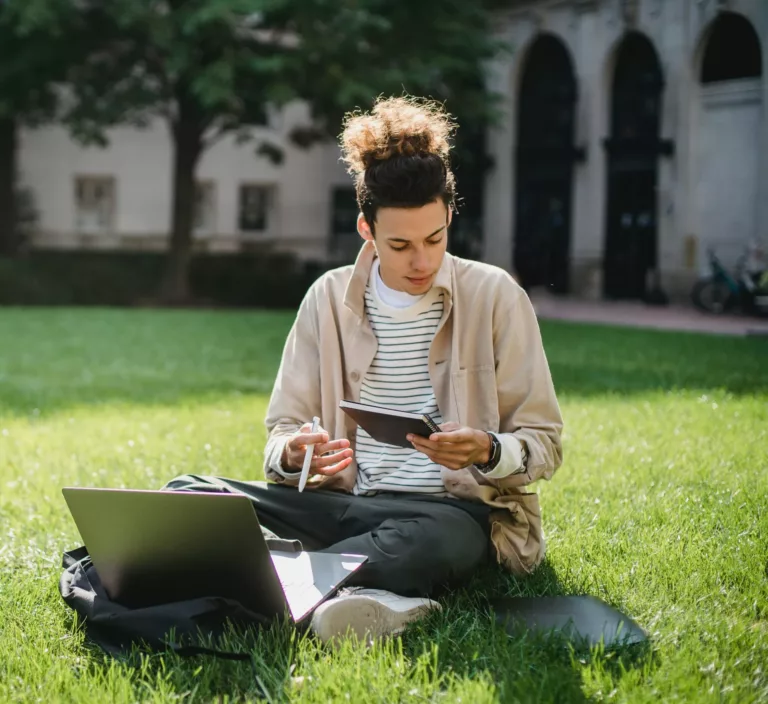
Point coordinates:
[(454, 447)]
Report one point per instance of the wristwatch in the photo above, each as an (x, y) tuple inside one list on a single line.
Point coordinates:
[(494, 457)]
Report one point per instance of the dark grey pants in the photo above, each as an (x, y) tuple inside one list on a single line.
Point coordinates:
[(414, 543)]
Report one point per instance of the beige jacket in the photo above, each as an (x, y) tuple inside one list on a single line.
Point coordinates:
[(488, 370)]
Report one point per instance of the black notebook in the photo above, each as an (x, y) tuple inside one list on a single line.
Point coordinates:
[(584, 620), (388, 425)]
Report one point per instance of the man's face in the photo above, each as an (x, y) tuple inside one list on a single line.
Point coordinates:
[(411, 243)]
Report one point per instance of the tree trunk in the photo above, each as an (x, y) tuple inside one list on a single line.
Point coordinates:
[(8, 156), (188, 146)]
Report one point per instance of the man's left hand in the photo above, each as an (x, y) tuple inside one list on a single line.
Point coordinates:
[(454, 447)]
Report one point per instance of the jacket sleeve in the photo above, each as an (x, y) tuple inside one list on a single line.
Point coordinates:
[(528, 408), (295, 395)]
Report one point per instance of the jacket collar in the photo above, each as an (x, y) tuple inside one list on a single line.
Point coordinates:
[(354, 296)]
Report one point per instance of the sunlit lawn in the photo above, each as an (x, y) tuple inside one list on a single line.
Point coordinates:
[(660, 509)]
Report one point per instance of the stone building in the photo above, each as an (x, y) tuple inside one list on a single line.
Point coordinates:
[(634, 139), (119, 197)]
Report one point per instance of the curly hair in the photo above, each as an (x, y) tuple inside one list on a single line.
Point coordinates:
[(399, 155)]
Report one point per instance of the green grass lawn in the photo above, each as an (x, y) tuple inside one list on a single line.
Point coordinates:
[(661, 509)]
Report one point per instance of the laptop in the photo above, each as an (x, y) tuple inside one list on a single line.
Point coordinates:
[(155, 547)]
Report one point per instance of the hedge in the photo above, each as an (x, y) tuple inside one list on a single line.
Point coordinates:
[(57, 277)]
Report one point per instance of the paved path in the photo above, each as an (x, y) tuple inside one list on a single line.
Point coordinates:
[(635, 314)]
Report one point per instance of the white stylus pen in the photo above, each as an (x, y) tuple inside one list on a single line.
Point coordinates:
[(308, 457)]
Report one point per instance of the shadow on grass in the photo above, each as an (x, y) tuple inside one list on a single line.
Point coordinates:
[(525, 666), (461, 641), (589, 360), (272, 651), (161, 358)]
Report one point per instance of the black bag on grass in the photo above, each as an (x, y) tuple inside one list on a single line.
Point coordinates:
[(174, 626), (584, 620)]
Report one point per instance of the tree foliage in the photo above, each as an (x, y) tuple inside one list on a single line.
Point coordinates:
[(38, 43), (214, 67)]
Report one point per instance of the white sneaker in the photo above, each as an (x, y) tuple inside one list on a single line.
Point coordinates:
[(367, 613)]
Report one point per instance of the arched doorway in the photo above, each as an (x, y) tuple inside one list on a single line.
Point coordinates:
[(544, 166), (732, 50), (633, 152), (729, 125)]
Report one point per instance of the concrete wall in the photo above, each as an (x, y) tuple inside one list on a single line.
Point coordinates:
[(726, 187)]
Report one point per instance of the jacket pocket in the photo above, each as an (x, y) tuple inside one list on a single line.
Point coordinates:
[(476, 397), (516, 532)]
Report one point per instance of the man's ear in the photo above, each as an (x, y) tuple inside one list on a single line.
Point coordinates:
[(450, 216), (364, 228)]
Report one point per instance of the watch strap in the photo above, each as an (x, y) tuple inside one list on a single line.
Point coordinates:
[(495, 455)]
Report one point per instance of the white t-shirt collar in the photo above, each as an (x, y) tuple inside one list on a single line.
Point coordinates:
[(389, 296)]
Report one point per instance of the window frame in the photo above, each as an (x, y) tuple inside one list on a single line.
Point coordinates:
[(80, 181), (205, 229), (270, 208)]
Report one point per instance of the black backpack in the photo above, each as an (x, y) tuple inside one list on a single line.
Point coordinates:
[(178, 626)]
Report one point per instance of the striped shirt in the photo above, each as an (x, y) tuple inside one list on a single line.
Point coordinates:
[(398, 378)]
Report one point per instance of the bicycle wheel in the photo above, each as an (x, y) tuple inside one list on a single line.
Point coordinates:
[(712, 296)]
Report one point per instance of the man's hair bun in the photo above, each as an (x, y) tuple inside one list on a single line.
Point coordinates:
[(399, 155), (396, 127)]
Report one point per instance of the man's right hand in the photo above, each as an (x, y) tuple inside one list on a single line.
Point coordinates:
[(328, 457)]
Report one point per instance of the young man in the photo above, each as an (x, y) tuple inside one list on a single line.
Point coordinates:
[(409, 326)]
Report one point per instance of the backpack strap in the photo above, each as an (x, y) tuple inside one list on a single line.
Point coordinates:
[(70, 557)]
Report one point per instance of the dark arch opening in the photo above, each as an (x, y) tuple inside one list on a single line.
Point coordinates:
[(636, 90), (633, 153), (544, 166), (732, 50)]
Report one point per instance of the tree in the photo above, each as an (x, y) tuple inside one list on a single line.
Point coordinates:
[(211, 68), (37, 46)]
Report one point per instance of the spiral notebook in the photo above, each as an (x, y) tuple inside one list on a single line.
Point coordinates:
[(388, 425)]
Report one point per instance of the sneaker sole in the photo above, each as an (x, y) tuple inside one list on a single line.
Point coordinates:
[(364, 617)]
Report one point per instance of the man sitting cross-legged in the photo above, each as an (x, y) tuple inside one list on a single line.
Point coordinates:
[(409, 327)]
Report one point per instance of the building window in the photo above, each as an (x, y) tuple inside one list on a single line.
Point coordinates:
[(94, 203), (733, 50), (255, 206), (205, 207), (344, 236)]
